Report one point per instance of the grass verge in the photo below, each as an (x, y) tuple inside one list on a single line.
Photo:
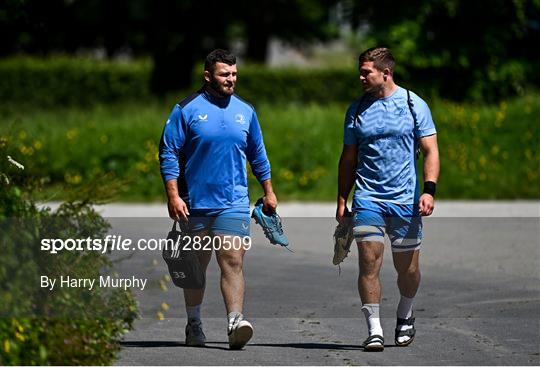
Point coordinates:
[(487, 151)]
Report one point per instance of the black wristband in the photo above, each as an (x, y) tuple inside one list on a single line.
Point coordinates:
[(430, 187)]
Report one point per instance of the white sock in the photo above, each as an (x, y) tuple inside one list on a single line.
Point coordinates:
[(371, 312), (404, 308), (404, 311), (193, 313)]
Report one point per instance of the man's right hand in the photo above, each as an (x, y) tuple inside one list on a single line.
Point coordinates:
[(178, 209), (340, 214)]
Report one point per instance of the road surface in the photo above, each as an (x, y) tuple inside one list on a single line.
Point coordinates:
[(479, 301)]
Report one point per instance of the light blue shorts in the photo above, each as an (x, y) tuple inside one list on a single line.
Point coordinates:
[(229, 221), (402, 223)]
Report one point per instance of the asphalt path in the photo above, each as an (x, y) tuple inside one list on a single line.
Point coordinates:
[(478, 304)]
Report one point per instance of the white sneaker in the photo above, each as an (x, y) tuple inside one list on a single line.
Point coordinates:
[(194, 334), (240, 333)]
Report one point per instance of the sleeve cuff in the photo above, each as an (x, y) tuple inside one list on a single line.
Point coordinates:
[(168, 177), (264, 177), (427, 132)]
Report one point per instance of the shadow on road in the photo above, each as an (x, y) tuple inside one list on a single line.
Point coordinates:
[(327, 346), (164, 344), (169, 344)]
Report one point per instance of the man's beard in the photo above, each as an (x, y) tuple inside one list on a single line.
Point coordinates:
[(220, 90), (372, 89)]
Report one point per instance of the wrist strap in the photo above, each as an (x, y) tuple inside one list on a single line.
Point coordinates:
[(430, 187)]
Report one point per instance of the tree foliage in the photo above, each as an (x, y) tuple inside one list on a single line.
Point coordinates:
[(176, 34), (463, 48), (40, 326)]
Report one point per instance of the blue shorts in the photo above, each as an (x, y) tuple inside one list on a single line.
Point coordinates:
[(402, 223), (229, 221)]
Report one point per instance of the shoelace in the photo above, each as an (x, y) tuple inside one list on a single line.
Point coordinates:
[(277, 227), (342, 230), (234, 322), (277, 223), (196, 328)]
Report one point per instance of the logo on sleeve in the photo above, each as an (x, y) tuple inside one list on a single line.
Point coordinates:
[(203, 117), (240, 118)]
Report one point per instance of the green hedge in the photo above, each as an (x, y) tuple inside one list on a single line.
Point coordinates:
[(72, 81), (285, 85), (78, 81)]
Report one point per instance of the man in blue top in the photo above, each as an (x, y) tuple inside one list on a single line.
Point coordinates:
[(383, 130), (205, 145)]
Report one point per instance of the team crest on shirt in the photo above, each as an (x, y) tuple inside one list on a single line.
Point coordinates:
[(400, 111), (240, 118)]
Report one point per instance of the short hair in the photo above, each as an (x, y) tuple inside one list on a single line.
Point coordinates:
[(381, 56), (218, 55)]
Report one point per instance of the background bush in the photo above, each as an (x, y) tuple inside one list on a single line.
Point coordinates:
[(71, 81), (65, 326), (63, 81)]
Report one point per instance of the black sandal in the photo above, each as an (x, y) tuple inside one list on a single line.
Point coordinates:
[(374, 343), (409, 332)]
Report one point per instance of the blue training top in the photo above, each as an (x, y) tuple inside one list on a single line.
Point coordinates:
[(386, 136), (205, 144)]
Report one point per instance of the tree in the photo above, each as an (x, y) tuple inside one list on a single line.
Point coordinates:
[(463, 48), (176, 34), (294, 21)]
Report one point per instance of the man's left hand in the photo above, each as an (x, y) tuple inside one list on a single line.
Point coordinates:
[(426, 204), (270, 202)]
